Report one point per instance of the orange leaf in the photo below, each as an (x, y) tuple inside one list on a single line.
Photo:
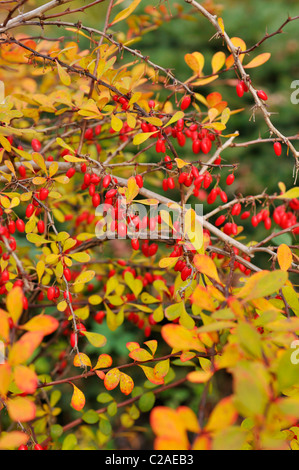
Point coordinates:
[(43, 323), (4, 326), (206, 265), (13, 440), (126, 383), (24, 348), (258, 61), (112, 379), (189, 419), (5, 377), (285, 257), (181, 339), (14, 303), (218, 61), (21, 409), (78, 399), (199, 376), (223, 415), (169, 428), (26, 379)]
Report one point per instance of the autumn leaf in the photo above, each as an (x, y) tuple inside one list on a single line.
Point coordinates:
[(284, 257), (21, 409), (78, 399), (13, 440), (25, 379), (112, 379), (43, 323)]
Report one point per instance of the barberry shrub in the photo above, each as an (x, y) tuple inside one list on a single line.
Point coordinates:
[(181, 324)]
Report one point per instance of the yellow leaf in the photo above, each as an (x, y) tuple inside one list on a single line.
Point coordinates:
[(178, 115), (126, 12), (96, 339), (5, 143), (291, 194), (85, 277), (284, 257), (180, 163), (81, 359), (39, 160), (167, 262), (116, 123), (218, 61), (14, 303), (223, 416), (63, 75), (142, 137)]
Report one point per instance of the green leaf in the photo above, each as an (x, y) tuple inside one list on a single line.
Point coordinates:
[(146, 402), (249, 339), (262, 284), (56, 431), (90, 417), (96, 339), (69, 442)]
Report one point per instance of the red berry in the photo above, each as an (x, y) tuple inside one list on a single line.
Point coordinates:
[(73, 340), (20, 225), (206, 145), (245, 215), (223, 196), (43, 194), (135, 244), (29, 210), (22, 447), (22, 171), (171, 184), (67, 274), (254, 221), (99, 317), (36, 145), (51, 293), (11, 227), (88, 134), (220, 220), (262, 95), (240, 90), (106, 181), (186, 101), (70, 173), (40, 226), (165, 184), (277, 148), (230, 179), (96, 200), (196, 146), (139, 181), (151, 104), (268, 223)]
